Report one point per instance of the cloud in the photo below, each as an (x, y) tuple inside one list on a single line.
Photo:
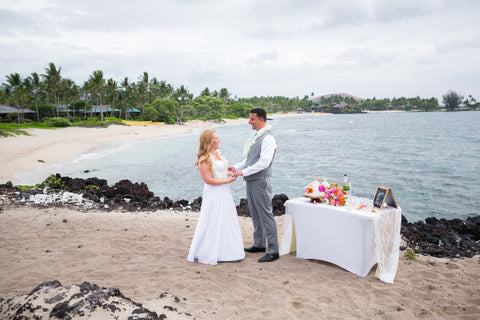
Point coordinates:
[(262, 58), (367, 48)]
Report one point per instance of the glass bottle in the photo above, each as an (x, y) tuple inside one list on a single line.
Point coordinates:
[(346, 185)]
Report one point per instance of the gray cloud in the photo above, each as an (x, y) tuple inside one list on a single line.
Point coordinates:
[(283, 47)]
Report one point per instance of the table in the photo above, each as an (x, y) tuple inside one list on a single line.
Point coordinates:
[(354, 239)]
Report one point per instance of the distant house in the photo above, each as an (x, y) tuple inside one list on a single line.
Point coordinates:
[(6, 110), (319, 108), (101, 108), (339, 107), (300, 110), (107, 109)]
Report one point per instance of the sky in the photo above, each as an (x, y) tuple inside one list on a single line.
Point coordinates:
[(291, 48)]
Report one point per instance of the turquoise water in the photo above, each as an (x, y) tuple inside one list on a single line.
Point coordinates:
[(429, 160)]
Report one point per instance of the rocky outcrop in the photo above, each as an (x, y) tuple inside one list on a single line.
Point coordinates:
[(51, 300), (278, 202), (95, 193), (443, 238)]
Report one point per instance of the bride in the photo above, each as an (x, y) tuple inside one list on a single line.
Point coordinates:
[(217, 235)]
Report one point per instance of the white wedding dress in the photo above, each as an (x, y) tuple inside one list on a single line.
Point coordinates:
[(217, 235)]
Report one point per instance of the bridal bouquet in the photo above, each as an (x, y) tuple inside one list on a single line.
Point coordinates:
[(335, 196)]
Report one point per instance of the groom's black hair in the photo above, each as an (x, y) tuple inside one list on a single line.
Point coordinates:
[(260, 113)]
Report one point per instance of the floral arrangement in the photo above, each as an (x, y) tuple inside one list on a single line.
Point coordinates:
[(311, 188), (335, 196)]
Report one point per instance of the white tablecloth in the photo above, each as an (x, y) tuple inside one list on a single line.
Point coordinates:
[(351, 238)]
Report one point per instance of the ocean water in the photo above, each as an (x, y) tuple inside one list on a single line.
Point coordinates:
[(429, 160)]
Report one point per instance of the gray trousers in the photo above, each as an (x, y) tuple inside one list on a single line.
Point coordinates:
[(259, 197)]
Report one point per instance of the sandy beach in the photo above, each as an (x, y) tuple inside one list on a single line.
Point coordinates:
[(143, 254)]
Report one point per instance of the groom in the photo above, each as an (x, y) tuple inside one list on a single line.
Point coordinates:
[(256, 169)]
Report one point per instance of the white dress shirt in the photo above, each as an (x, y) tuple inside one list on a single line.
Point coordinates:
[(269, 145)]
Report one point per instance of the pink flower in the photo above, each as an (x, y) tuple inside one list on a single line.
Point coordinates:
[(335, 196), (321, 188)]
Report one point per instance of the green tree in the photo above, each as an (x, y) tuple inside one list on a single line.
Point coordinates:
[(111, 90), (452, 100), (125, 95), (183, 95), (14, 86), (205, 92), (165, 89), (52, 78), (168, 109), (144, 89), (470, 102), (97, 83), (149, 113), (209, 108), (224, 95), (428, 104), (74, 94), (68, 94), (239, 109), (36, 87), (86, 89), (45, 111)]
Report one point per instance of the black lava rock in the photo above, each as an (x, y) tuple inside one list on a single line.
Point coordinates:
[(443, 238)]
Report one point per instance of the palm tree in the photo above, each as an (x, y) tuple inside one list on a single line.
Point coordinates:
[(14, 86), (112, 92), (71, 94), (224, 94), (36, 85), (65, 91), (52, 78), (143, 89), (184, 96), (86, 89), (125, 95), (97, 83), (166, 89), (205, 92)]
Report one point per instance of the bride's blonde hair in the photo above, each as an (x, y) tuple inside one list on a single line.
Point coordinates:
[(206, 140)]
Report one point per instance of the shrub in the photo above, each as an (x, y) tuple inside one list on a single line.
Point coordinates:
[(150, 114), (410, 254), (58, 122)]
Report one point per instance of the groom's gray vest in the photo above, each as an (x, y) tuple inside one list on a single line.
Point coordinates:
[(254, 155)]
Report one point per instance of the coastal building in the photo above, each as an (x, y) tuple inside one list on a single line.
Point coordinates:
[(339, 107), (6, 110)]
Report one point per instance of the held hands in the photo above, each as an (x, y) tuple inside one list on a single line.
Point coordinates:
[(233, 172), (231, 178)]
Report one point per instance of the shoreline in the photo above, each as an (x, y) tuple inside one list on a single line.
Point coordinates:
[(43, 148)]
